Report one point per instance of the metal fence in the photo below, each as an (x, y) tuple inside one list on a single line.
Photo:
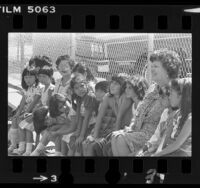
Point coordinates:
[(105, 54)]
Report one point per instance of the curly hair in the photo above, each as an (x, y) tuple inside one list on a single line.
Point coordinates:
[(63, 58), (82, 69), (170, 61), (40, 61), (139, 85), (47, 71)]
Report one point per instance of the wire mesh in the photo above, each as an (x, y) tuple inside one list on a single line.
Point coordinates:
[(104, 53)]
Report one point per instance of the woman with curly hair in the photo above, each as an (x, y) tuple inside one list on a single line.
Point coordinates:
[(164, 67)]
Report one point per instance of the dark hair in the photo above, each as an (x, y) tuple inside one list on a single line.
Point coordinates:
[(103, 86), (170, 61), (184, 88), (40, 61), (26, 72), (65, 57), (46, 70), (122, 82), (77, 79), (54, 102), (75, 98), (81, 68), (39, 116), (140, 86)]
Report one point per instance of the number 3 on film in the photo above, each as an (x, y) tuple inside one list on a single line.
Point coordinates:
[(39, 9), (54, 178)]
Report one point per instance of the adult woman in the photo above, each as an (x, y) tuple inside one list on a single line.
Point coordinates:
[(164, 68)]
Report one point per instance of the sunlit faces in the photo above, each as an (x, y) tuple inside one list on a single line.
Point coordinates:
[(158, 73), (99, 94), (44, 79), (130, 93), (174, 98), (115, 88), (29, 80), (64, 68), (80, 89)]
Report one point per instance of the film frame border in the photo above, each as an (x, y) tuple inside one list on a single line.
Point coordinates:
[(176, 21)]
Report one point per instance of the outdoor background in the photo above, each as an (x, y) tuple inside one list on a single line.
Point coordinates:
[(105, 54)]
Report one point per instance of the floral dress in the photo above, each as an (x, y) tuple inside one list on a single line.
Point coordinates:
[(172, 132), (147, 117)]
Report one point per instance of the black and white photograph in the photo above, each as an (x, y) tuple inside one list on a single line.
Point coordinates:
[(100, 94)]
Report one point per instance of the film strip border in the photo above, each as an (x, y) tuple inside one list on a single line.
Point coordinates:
[(90, 170), (101, 19), (98, 18)]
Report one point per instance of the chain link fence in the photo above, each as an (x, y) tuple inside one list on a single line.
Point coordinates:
[(104, 53), (108, 54)]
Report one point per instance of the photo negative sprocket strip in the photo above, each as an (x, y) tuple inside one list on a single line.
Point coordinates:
[(21, 21)]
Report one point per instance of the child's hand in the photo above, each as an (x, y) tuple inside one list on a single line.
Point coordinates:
[(79, 141), (90, 138)]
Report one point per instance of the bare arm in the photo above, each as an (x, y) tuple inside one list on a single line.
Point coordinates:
[(87, 116), (32, 105), (101, 113), (126, 103), (184, 134), (50, 92), (21, 106), (67, 130)]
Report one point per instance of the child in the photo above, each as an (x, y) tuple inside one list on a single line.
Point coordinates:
[(111, 116), (64, 65), (58, 117), (45, 76), (39, 118), (173, 134), (86, 111), (136, 88), (101, 88), (31, 96)]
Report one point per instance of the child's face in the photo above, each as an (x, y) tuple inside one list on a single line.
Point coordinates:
[(174, 98), (80, 89), (159, 74), (64, 68), (29, 80), (44, 79), (99, 94), (130, 93), (115, 88)]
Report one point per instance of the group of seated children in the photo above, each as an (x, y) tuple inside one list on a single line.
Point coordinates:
[(123, 116)]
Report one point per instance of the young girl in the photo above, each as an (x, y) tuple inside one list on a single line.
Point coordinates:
[(173, 134), (86, 111), (64, 65), (45, 76), (136, 88), (31, 96), (101, 89), (111, 116), (39, 118), (58, 117)]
